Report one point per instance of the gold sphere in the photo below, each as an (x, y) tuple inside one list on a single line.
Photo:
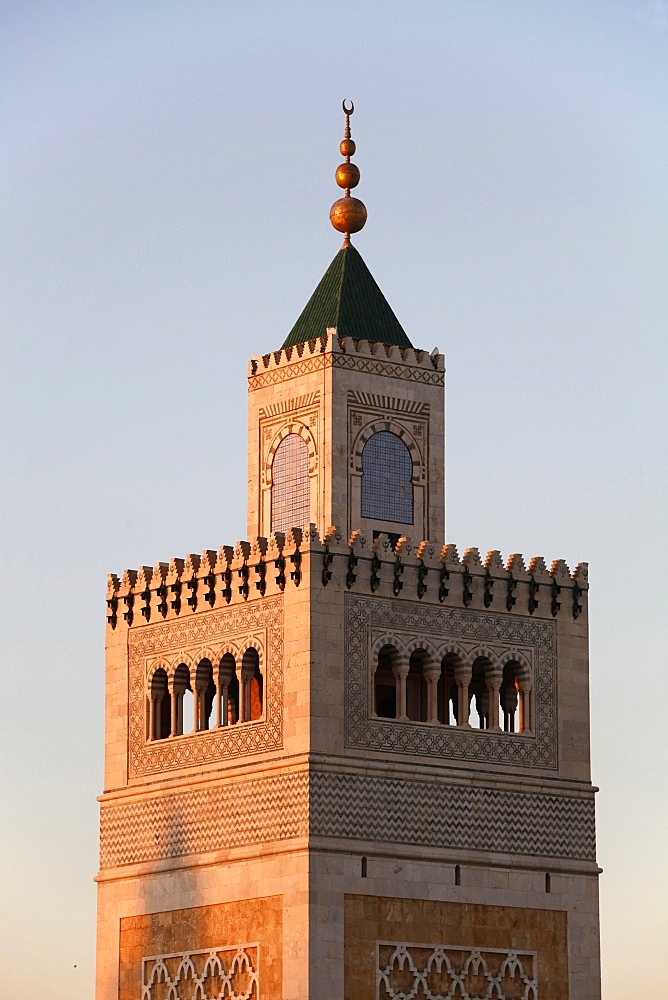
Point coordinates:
[(348, 215), (347, 147), (347, 175)]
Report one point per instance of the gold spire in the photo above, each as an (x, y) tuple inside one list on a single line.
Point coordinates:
[(348, 215)]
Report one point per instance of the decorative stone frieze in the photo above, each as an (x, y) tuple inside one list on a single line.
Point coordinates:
[(329, 350), (189, 640), (199, 820), (371, 621), (370, 808), (443, 815)]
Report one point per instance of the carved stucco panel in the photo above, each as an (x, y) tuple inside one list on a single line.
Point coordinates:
[(533, 639), (188, 636), (411, 970)]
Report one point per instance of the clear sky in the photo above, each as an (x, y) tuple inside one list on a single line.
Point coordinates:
[(167, 177)]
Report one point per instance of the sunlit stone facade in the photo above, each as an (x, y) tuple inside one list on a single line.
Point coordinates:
[(343, 759)]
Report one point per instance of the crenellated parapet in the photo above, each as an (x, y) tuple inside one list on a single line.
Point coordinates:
[(345, 352), (404, 570)]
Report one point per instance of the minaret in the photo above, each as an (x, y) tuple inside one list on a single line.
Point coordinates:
[(342, 760), (346, 421)]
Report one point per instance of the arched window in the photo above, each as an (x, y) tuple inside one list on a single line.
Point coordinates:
[(516, 698), (183, 701), (387, 472), (205, 691), (227, 706), (160, 707), (416, 687), (447, 691), (385, 684), (233, 702), (252, 686), (479, 694), (290, 489)]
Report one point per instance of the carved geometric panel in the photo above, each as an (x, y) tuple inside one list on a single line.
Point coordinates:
[(232, 972), (277, 375), (190, 636), (534, 640), (212, 818), (359, 363), (419, 933), (427, 376), (447, 815), (374, 401), (198, 952), (435, 973)]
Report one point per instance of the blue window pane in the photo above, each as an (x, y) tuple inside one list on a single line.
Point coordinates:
[(290, 491), (387, 471)]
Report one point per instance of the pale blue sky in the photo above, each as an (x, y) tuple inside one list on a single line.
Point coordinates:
[(168, 171)]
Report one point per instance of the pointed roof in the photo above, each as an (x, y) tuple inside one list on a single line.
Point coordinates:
[(349, 299)]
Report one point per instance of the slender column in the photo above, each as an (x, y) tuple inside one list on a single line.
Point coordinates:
[(452, 702), (400, 671), (225, 681), (175, 713), (484, 708), (201, 713), (225, 675), (463, 679), (509, 706), (526, 706), (219, 701), (493, 682), (245, 695), (151, 718), (431, 675), (372, 691)]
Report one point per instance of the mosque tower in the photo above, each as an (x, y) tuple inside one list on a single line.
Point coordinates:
[(341, 759)]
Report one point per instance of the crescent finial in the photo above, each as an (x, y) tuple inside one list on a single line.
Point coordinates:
[(347, 215)]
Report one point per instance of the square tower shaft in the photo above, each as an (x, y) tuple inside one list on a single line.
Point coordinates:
[(336, 394)]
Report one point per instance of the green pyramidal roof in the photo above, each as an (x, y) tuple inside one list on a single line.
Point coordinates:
[(349, 299)]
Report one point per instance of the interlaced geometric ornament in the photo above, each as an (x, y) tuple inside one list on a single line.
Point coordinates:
[(427, 376), (194, 635), (451, 972), (534, 639), (225, 973)]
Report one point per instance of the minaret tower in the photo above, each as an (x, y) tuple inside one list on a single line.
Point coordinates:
[(341, 759), (351, 404)]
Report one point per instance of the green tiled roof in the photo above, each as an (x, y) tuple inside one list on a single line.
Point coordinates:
[(349, 299)]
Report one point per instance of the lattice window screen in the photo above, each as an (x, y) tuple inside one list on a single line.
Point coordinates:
[(290, 491), (387, 470)]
